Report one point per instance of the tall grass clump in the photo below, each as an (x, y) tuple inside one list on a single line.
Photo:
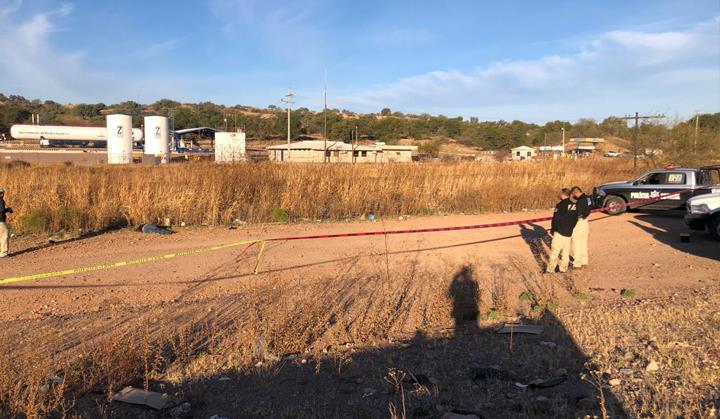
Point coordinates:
[(207, 194)]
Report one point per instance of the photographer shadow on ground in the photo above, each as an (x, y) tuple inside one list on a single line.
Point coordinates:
[(467, 369)]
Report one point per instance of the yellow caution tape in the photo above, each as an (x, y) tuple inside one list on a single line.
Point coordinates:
[(138, 261)]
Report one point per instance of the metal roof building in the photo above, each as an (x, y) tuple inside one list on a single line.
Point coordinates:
[(315, 151)]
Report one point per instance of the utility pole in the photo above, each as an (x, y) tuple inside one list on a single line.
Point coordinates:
[(563, 141), (356, 142), (697, 127), (325, 158), (637, 119), (288, 100)]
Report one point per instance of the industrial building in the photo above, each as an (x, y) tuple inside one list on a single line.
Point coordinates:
[(339, 152), (586, 145), (196, 138), (552, 151)]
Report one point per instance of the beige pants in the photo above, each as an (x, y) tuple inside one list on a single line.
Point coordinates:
[(560, 249), (579, 243), (4, 239)]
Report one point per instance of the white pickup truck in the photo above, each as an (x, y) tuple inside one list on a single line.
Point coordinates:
[(703, 212)]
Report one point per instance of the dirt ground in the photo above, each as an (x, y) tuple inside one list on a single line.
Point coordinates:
[(379, 323), (639, 251)]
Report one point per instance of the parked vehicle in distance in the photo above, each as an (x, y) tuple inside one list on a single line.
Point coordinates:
[(675, 184), (612, 153), (703, 212)]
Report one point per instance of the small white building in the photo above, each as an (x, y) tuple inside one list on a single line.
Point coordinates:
[(318, 151), (229, 147), (552, 151), (523, 153)]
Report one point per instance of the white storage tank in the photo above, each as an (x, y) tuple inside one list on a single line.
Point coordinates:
[(62, 132), (157, 137), (229, 146), (137, 134), (119, 139)]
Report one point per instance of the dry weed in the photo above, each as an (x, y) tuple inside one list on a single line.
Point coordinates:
[(91, 198)]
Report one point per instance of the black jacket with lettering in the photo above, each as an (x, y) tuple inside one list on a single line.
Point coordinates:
[(584, 203), (565, 218), (3, 211)]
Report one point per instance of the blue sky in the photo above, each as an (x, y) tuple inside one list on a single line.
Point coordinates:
[(529, 60)]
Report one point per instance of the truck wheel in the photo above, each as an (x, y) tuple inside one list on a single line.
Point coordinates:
[(714, 226), (614, 205)]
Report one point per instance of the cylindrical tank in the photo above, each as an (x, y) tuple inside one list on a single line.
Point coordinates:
[(157, 138), (137, 134), (58, 132), (119, 139), (52, 132)]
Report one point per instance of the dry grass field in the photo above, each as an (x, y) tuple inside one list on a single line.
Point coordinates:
[(52, 198), (404, 345), (394, 326)]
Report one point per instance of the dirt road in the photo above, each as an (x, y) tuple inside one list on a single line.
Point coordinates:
[(639, 251), (316, 295)]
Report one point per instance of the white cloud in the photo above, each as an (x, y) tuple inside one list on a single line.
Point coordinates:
[(615, 70), (30, 60), (33, 65)]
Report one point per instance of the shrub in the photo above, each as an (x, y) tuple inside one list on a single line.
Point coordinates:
[(34, 222), (627, 293), (70, 218), (280, 215)]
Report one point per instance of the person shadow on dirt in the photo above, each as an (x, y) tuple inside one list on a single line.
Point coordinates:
[(472, 370), (538, 240), (465, 294)]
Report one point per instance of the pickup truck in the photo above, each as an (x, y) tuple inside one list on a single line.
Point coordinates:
[(703, 212), (612, 153), (686, 182)]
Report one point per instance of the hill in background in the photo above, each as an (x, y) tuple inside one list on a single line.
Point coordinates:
[(435, 134)]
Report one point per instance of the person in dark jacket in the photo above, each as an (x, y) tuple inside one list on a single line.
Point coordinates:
[(4, 232), (563, 223), (579, 242)]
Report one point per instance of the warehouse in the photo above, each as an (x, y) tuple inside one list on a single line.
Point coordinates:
[(339, 152)]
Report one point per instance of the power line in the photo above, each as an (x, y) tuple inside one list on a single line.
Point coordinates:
[(637, 119)]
